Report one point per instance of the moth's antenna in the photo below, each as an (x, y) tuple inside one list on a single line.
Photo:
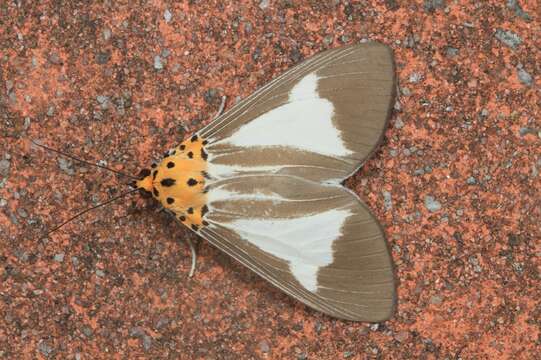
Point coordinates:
[(81, 160), (91, 208)]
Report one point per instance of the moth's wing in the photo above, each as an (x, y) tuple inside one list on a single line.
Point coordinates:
[(319, 120), (318, 243)]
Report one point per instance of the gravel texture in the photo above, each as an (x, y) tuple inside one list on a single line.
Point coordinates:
[(455, 183)]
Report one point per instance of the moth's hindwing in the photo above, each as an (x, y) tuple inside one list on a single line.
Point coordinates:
[(318, 243), (272, 177)]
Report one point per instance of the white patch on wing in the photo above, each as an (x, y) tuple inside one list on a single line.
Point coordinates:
[(305, 242), (217, 194), (304, 122), (220, 171)]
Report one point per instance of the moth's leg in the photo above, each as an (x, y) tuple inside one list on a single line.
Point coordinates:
[(188, 241), (190, 245), (221, 108), (194, 257)]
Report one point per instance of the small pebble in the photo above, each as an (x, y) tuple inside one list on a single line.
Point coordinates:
[(524, 77), (87, 330), (167, 15), (3, 202), (402, 336), (66, 166), (21, 255), (432, 204), (103, 100), (103, 57), (419, 171), (295, 55), (4, 167), (436, 300), (264, 4), (59, 257), (387, 200), (210, 95), (471, 181), (162, 322), (405, 91), (451, 52), (54, 59), (264, 346), (147, 342), (165, 53), (106, 34), (432, 5), (508, 37), (327, 40), (415, 77), (158, 65), (136, 331), (248, 27), (22, 213), (45, 348), (515, 6)]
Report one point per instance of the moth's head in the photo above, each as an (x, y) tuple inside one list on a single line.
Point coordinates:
[(144, 183)]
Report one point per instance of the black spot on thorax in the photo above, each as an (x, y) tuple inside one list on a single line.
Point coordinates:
[(204, 155), (168, 182), (204, 210)]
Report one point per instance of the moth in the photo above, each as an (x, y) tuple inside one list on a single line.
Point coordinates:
[(263, 182)]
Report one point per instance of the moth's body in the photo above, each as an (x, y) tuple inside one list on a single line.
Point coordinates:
[(263, 182), (179, 182)]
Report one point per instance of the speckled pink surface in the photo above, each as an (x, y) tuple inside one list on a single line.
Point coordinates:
[(455, 184)]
